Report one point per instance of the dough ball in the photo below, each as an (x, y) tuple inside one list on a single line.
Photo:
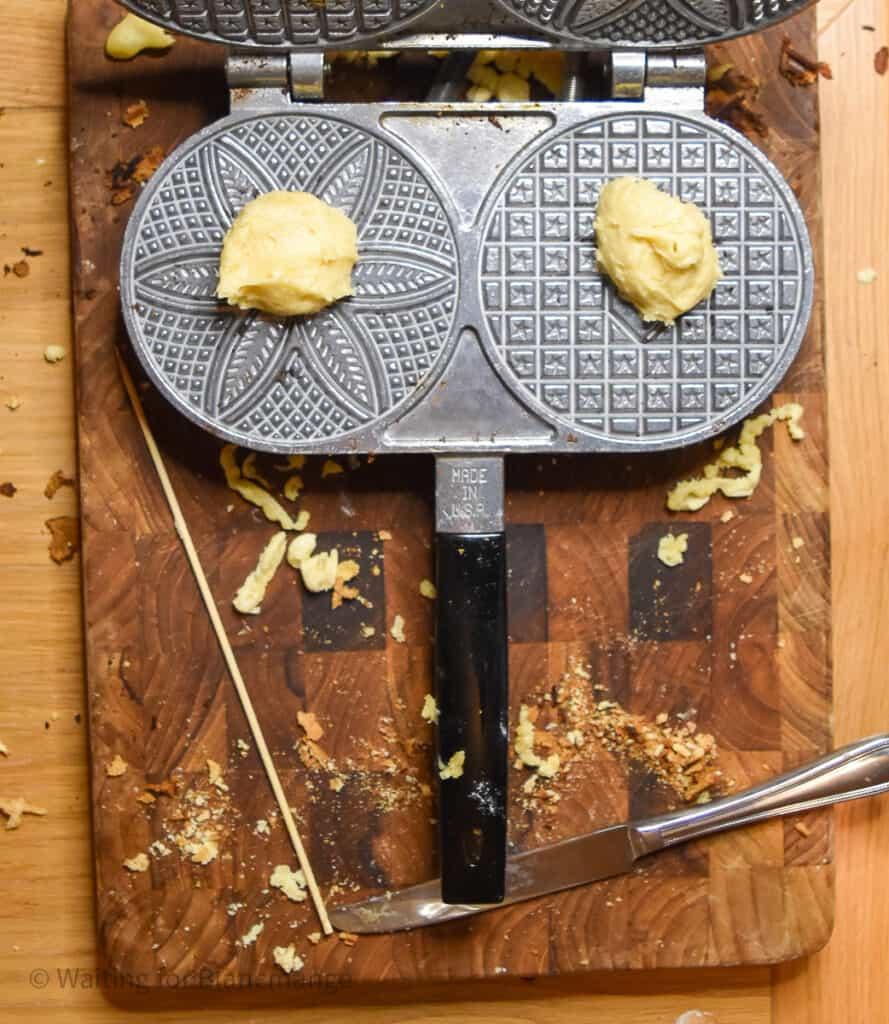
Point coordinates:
[(656, 249), (288, 253)]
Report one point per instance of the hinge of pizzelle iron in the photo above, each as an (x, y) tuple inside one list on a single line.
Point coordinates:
[(670, 80), (269, 81)]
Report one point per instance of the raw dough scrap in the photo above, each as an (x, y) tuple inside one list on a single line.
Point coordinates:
[(132, 35), (288, 253), (691, 495), (248, 600), (656, 249), (671, 548)]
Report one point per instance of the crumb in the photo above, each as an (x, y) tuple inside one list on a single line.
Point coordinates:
[(454, 768), (214, 775), (250, 936), (802, 828), (159, 849), (21, 269), (138, 863), (397, 629), (243, 747), (56, 482), (13, 403), (287, 959), (65, 538), (745, 577), (797, 543), (367, 631), (233, 908), (310, 725), (867, 275), (8, 489), (428, 589), (727, 516), (4, 750), (116, 767), (384, 535), (314, 938), (671, 549), (429, 711), (336, 784), (331, 468), (291, 883), (347, 938), (261, 828), (14, 807), (799, 70), (136, 114), (250, 595)]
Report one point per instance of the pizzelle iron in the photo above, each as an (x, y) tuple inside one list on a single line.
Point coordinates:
[(480, 325)]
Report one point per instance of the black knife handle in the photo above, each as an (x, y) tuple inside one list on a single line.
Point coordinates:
[(472, 694)]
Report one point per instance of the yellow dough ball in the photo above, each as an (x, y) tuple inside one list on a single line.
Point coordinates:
[(656, 249), (288, 253)]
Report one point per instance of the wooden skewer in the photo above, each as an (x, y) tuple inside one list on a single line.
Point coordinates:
[(224, 643)]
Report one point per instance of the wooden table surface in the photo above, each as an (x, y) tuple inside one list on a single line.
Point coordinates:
[(47, 943)]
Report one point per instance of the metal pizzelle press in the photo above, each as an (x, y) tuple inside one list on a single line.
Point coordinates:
[(480, 325)]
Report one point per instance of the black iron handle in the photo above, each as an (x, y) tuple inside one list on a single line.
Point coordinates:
[(471, 679), (472, 694)]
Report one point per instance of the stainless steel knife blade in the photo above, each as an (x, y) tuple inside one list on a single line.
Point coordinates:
[(850, 773), (548, 869)]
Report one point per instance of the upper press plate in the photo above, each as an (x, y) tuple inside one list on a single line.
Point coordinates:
[(593, 24), (479, 319)]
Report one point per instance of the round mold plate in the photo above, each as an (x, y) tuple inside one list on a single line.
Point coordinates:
[(649, 24), (283, 24), (288, 384), (563, 339)]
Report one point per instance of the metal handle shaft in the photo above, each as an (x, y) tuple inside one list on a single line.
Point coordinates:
[(859, 770)]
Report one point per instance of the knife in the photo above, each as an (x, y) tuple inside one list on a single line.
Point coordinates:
[(853, 772)]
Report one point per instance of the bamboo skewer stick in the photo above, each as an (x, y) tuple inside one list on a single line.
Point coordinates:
[(226, 647)]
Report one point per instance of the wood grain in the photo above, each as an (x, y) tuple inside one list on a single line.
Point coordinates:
[(160, 697), (45, 881)]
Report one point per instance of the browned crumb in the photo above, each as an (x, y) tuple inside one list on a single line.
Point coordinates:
[(126, 175), (798, 69), (8, 489), (731, 97), (346, 571), (802, 828), (568, 716), (14, 808), (881, 60), (57, 481), (347, 938), (310, 725), (166, 788), (138, 863), (65, 538), (22, 268), (136, 114), (116, 767)]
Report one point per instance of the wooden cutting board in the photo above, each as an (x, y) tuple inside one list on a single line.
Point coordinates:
[(750, 660)]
